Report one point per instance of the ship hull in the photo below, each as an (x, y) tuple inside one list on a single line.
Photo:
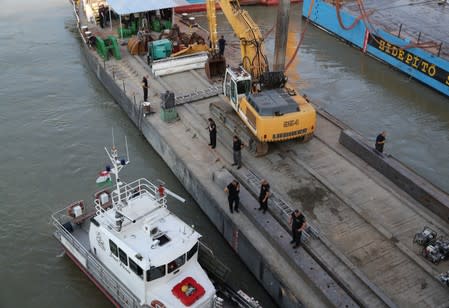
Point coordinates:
[(428, 68), (79, 263)]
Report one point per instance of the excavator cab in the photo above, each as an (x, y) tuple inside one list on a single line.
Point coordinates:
[(236, 84)]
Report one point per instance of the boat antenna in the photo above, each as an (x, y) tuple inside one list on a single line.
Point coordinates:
[(127, 151), (113, 139)]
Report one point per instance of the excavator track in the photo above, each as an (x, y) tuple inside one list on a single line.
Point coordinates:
[(224, 113)]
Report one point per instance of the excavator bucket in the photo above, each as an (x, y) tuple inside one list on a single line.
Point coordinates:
[(215, 67)]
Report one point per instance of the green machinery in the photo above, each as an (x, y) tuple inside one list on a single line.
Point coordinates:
[(160, 49), (109, 44), (128, 32), (158, 25)]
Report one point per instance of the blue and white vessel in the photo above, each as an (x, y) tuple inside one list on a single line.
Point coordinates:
[(395, 32)]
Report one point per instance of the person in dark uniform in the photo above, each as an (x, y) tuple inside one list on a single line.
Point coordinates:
[(212, 133), (380, 141), (233, 190), (102, 15), (298, 223), (237, 146), (145, 88), (263, 195), (221, 45)]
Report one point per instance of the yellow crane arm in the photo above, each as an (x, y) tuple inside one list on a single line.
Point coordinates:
[(212, 19), (252, 50)]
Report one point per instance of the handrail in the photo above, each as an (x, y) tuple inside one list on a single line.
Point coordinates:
[(114, 286), (143, 186)]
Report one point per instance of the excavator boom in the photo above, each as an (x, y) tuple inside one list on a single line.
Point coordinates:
[(271, 110)]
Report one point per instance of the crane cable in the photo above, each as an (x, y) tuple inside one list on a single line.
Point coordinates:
[(356, 21), (303, 32), (364, 15), (372, 29)]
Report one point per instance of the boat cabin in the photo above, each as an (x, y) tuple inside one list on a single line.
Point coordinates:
[(150, 249)]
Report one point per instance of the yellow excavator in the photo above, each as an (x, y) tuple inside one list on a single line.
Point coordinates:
[(271, 110)]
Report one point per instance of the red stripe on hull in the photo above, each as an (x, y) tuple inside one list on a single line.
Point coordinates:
[(99, 286)]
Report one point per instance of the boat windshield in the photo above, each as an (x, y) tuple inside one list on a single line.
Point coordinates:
[(192, 251), (155, 272), (176, 263)]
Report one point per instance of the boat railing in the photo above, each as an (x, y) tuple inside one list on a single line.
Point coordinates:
[(139, 187), (95, 268), (63, 216)]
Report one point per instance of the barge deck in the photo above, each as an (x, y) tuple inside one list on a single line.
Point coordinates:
[(361, 252)]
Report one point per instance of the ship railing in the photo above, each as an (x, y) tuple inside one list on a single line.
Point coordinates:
[(62, 216), (138, 187), (420, 39), (95, 268)]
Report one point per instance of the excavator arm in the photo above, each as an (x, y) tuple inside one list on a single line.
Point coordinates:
[(252, 50), (212, 19)]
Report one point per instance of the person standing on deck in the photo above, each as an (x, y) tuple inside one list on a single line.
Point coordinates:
[(221, 45), (212, 133), (233, 190), (102, 15), (237, 146), (380, 141), (145, 88), (263, 196), (298, 223)]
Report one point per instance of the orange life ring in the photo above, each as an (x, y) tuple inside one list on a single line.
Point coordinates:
[(71, 206), (156, 304)]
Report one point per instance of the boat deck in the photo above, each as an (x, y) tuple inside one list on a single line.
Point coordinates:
[(427, 20), (81, 233)]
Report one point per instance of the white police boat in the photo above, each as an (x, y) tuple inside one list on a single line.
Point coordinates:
[(132, 247)]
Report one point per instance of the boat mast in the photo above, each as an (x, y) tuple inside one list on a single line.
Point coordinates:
[(117, 166)]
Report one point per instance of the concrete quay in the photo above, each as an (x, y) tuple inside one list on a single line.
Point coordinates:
[(364, 254)]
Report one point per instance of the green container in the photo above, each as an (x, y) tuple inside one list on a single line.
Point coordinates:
[(156, 25), (159, 49), (169, 115), (166, 24)]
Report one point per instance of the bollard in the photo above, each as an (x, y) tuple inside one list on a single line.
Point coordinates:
[(104, 64), (113, 74), (419, 37), (439, 48), (134, 97), (400, 29), (124, 89)]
